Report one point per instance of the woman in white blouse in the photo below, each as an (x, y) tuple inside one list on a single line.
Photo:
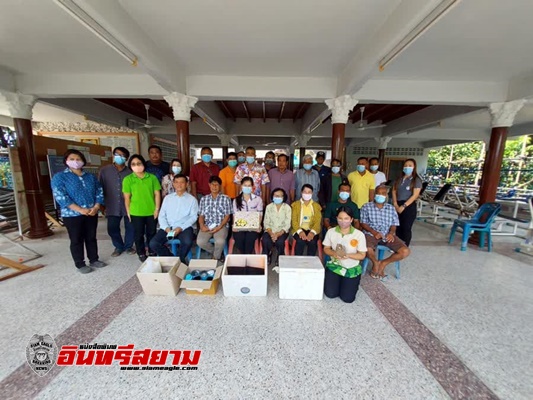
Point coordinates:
[(277, 223)]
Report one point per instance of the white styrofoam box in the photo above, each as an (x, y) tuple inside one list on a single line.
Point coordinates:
[(301, 278), (164, 283), (245, 285)]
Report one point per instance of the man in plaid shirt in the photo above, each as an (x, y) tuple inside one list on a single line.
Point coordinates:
[(215, 210), (379, 221)]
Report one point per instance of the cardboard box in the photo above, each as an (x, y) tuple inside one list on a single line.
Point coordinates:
[(301, 278), (165, 283), (246, 221), (245, 285), (200, 287)]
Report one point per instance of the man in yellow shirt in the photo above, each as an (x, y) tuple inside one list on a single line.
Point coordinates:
[(362, 182), (227, 174)]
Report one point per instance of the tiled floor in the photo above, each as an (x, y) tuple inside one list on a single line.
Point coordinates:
[(476, 309)]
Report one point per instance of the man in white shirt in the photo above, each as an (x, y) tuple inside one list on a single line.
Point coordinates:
[(178, 214), (378, 175)]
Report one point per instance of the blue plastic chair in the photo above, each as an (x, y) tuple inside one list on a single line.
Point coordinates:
[(481, 222), (382, 250), (212, 240), (174, 243)]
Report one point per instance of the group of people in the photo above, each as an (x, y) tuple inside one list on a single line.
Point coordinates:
[(156, 202)]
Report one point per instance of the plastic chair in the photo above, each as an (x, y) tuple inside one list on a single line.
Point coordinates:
[(212, 240), (381, 256), (287, 247), (481, 222), (174, 243)]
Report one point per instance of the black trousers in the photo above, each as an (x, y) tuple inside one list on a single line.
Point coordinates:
[(245, 241), (268, 244), (407, 219), (312, 246), (82, 233), (143, 226), (336, 285), (159, 241)]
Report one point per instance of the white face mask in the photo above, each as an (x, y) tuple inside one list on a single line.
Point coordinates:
[(307, 196)]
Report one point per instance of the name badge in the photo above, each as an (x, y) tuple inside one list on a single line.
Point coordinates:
[(408, 188), (306, 218)]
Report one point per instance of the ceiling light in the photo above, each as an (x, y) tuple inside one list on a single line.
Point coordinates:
[(91, 24), (431, 19)]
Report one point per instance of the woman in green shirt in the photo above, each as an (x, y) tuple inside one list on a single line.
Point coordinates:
[(142, 196)]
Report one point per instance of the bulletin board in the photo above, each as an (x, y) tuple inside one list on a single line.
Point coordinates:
[(97, 156)]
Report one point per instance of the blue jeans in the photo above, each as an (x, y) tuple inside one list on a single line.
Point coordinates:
[(113, 229)]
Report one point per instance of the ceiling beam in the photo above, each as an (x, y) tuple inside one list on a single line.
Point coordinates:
[(124, 107), (246, 111), (281, 112), (375, 112), (226, 110), (160, 106)]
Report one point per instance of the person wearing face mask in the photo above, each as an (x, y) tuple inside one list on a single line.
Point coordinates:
[(330, 216), (322, 169), (142, 197), (276, 224), (379, 176), (330, 183), (306, 222), (282, 178), (111, 177), (379, 221), (254, 170), (363, 183), (247, 201), (241, 157), (79, 195), (270, 161), (346, 247), (227, 174), (405, 192), (167, 184), (201, 172), (307, 175)]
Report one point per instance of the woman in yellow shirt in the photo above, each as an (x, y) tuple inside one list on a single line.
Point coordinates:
[(306, 222)]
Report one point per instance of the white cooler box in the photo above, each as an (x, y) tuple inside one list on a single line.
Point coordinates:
[(245, 285), (301, 278)]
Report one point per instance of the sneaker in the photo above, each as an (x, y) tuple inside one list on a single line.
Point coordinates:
[(131, 250), (143, 257), (98, 264), (116, 253), (85, 270)]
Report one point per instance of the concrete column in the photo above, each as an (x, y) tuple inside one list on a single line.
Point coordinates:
[(181, 107), (340, 109)]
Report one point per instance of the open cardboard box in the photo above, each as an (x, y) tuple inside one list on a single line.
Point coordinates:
[(197, 286), (165, 283), (245, 285)]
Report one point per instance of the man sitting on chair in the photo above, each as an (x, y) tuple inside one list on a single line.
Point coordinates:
[(178, 214), (379, 221)]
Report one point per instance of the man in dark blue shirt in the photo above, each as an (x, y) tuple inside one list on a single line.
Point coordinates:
[(156, 165)]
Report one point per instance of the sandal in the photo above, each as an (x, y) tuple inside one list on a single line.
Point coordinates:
[(383, 278), (373, 275)]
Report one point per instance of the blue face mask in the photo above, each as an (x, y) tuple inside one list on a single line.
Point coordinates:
[(241, 159), (408, 170), (232, 163), (250, 159), (119, 160), (277, 200), (207, 158), (247, 189), (176, 170), (335, 170), (361, 168), (374, 167), (380, 199), (307, 167), (344, 196)]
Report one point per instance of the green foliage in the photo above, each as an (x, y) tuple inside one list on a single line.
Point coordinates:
[(465, 167)]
